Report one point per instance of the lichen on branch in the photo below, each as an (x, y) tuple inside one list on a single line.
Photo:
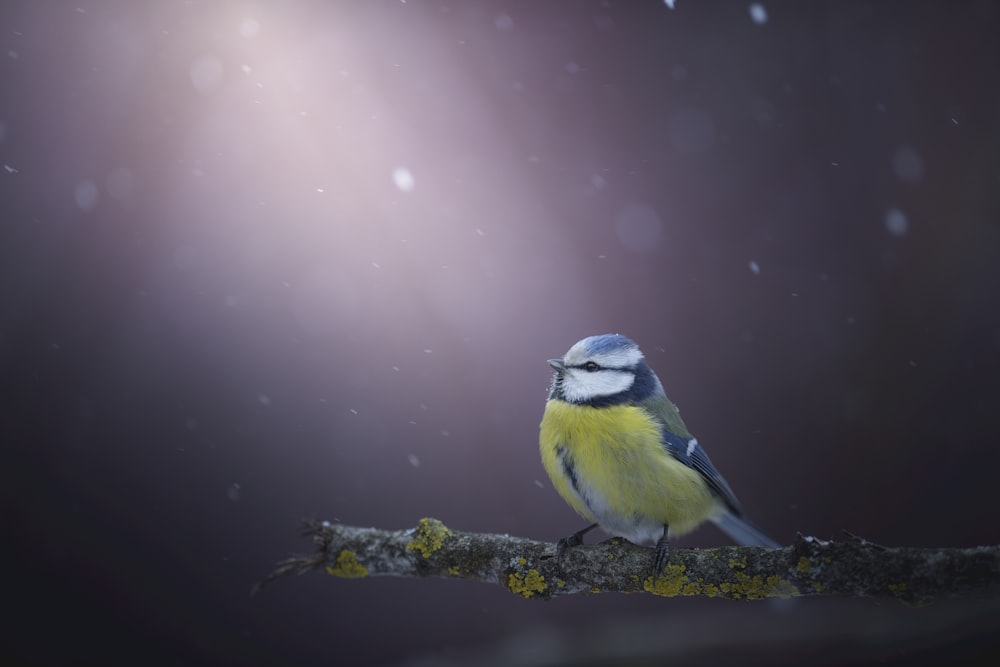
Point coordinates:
[(529, 568)]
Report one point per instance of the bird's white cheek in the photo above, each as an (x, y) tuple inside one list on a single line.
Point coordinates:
[(581, 386)]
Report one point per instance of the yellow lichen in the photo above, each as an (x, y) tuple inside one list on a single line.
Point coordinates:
[(737, 563), (758, 587), (429, 537), (669, 583), (898, 589), (804, 567), (560, 583), (453, 570), (347, 566), (526, 585), (691, 588), (674, 582)]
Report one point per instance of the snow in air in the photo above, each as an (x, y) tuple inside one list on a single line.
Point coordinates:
[(206, 73), (638, 227), (908, 165), (754, 267), (403, 179), (86, 195), (249, 27), (896, 222), (503, 22), (758, 14)]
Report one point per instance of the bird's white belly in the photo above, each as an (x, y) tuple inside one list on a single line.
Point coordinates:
[(633, 528)]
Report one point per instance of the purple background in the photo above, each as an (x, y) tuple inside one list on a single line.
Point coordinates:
[(263, 261)]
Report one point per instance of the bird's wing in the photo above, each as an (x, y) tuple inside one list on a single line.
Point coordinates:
[(681, 445)]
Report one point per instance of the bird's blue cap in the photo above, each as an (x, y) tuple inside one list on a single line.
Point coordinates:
[(607, 343)]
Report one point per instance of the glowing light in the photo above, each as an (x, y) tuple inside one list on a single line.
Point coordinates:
[(758, 14)]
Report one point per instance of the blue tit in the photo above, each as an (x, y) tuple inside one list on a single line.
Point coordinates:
[(619, 453)]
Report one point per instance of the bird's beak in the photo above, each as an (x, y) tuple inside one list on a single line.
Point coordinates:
[(557, 365)]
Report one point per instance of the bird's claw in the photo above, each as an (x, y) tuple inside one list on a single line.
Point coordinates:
[(661, 554), (574, 540)]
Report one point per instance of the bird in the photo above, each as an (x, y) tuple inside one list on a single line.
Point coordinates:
[(618, 452)]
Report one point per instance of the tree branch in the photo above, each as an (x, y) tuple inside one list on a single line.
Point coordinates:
[(853, 568)]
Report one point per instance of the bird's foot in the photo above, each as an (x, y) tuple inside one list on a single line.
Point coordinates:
[(574, 540), (661, 554)]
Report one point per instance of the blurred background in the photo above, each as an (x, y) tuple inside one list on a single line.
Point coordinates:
[(265, 261)]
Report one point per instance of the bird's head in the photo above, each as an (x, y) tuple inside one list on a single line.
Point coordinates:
[(603, 369)]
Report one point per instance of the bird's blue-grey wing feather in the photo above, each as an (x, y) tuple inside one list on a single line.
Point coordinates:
[(691, 454), (685, 448)]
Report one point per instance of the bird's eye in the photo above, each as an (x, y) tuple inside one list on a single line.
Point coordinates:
[(590, 367)]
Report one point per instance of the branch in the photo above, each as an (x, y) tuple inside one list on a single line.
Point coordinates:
[(854, 568)]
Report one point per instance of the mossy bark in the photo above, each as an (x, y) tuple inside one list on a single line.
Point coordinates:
[(854, 567)]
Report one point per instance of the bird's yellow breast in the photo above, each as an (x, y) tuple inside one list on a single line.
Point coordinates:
[(610, 465)]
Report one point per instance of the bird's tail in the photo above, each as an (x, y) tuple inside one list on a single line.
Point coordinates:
[(744, 532)]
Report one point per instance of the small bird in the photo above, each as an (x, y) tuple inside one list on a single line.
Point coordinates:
[(617, 450)]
